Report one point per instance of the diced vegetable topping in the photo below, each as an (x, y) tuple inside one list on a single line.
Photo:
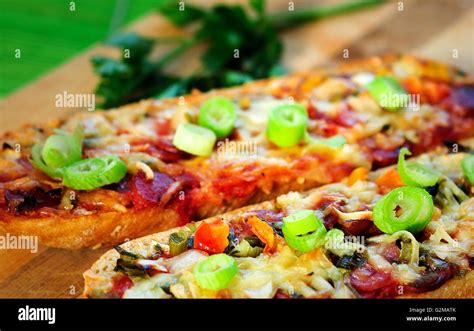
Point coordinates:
[(405, 208), (413, 173), (303, 231), (215, 272), (38, 163), (264, 232), (287, 125), (245, 249), (387, 92), (304, 243), (333, 239), (410, 248), (449, 195), (95, 172), (194, 139), (467, 165), (389, 180), (218, 114), (357, 174), (59, 150), (178, 243), (212, 237), (334, 142), (335, 236), (334, 242), (62, 148), (301, 222)]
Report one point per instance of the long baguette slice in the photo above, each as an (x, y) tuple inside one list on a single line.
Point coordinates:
[(438, 263), (165, 187)]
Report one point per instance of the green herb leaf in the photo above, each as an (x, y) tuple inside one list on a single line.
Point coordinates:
[(180, 13), (258, 6), (137, 46), (242, 47)]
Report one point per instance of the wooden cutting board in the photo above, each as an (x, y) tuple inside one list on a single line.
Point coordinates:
[(430, 28)]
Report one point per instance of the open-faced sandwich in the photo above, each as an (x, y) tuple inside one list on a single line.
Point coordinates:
[(103, 177), (401, 231)]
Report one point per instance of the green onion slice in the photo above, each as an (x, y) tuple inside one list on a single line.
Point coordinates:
[(194, 139), (63, 148), (301, 222), (38, 163), (215, 272), (244, 249), (334, 242), (178, 243), (218, 114), (59, 150), (334, 236), (92, 173), (415, 174), (303, 231), (388, 93), (405, 208), (410, 246), (467, 165), (307, 242), (334, 142), (287, 125)]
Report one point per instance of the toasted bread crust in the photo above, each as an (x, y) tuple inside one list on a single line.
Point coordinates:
[(93, 230), (456, 288), (112, 228)]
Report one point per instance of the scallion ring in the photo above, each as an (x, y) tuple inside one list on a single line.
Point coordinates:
[(414, 173), (405, 208), (194, 139), (38, 163), (303, 231), (388, 93), (334, 237), (218, 114), (287, 125), (335, 142), (307, 242), (95, 172), (301, 222), (467, 165), (59, 150), (215, 272)]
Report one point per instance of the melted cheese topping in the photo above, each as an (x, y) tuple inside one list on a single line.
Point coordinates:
[(340, 103), (330, 96)]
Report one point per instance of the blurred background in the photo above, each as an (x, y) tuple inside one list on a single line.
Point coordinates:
[(58, 38), (48, 33)]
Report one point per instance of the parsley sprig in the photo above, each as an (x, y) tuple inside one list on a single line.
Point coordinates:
[(242, 45)]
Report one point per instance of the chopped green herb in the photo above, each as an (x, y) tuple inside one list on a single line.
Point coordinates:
[(242, 45)]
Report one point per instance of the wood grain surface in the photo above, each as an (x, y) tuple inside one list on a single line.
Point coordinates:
[(430, 28)]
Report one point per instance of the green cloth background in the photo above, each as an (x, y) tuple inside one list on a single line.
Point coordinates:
[(48, 33)]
